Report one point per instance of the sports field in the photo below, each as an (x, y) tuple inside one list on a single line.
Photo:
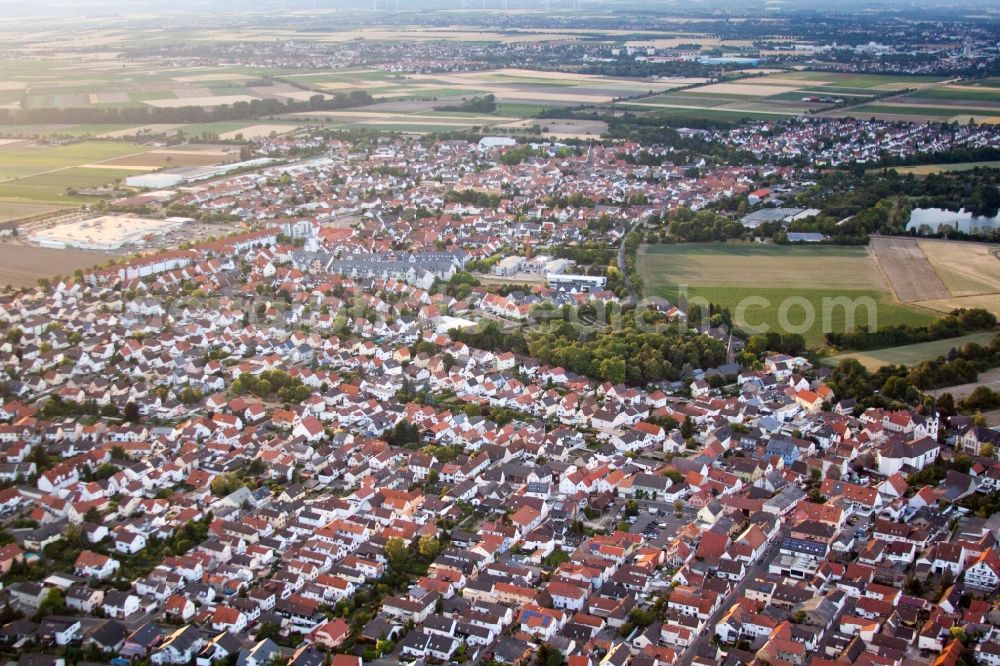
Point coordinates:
[(771, 285)]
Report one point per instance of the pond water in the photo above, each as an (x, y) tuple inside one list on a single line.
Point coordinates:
[(962, 220)]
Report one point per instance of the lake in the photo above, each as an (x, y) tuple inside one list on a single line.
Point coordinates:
[(961, 220)]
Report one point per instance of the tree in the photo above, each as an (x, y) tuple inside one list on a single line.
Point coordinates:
[(987, 450), (946, 405), (404, 434), (131, 412), (946, 580), (816, 496), (428, 547), (268, 630), (52, 604), (914, 586), (549, 656), (433, 477), (631, 508), (395, 551), (612, 369), (224, 484), (40, 457)]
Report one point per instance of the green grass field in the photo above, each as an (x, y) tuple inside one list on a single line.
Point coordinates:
[(835, 79), (404, 127), (715, 114), (691, 99), (43, 174), (518, 110), (344, 76), (52, 187), (20, 161), (793, 281), (911, 354), (988, 95), (59, 130), (841, 91), (797, 96)]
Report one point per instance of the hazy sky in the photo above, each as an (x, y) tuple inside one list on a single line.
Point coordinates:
[(133, 7)]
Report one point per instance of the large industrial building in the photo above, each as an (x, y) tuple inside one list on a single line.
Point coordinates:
[(181, 175), (109, 232)]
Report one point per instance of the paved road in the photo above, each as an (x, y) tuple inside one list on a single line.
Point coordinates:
[(708, 629), (621, 266)]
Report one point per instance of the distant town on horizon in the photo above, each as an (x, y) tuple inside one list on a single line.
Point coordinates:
[(496, 332)]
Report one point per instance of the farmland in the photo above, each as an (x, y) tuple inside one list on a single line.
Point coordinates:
[(37, 173), (945, 102), (24, 265), (990, 379), (927, 169), (909, 274), (969, 271), (31, 172), (729, 274), (785, 93), (28, 159), (910, 355), (10, 210), (512, 86), (107, 81), (407, 103), (941, 275)]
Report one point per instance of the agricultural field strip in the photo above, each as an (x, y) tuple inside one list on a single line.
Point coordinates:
[(906, 270), (71, 166), (990, 379), (765, 266), (967, 269), (911, 354), (901, 102), (926, 169), (23, 265), (728, 274), (734, 109)]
